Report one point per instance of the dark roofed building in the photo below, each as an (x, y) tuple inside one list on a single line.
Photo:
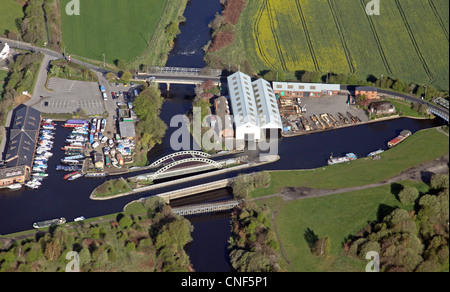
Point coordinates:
[(382, 108), (225, 129), (23, 136)]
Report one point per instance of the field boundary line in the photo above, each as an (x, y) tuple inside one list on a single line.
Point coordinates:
[(414, 42), (332, 6), (308, 37), (153, 38), (377, 40), (275, 37), (441, 22), (258, 43)]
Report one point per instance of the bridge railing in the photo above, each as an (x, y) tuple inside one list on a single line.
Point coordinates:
[(205, 208), (176, 71)]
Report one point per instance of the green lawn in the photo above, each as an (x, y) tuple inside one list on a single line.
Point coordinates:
[(421, 147), (119, 29), (404, 107), (11, 10), (338, 216)]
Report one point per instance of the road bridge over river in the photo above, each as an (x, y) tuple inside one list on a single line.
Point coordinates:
[(180, 75)]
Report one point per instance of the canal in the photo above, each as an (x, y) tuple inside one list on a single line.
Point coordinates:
[(59, 198)]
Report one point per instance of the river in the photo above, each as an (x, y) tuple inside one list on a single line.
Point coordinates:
[(59, 198)]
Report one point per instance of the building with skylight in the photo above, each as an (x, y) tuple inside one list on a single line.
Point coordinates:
[(254, 105)]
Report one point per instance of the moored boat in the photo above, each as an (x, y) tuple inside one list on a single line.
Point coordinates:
[(103, 125), (373, 153), (348, 157), (67, 176), (76, 176), (39, 174), (119, 158), (32, 185), (48, 223), (400, 138), (71, 161), (107, 161), (68, 167), (74, 123), (15, 186)]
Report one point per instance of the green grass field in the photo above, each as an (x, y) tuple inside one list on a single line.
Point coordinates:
[(423, 146), (342, 215), (338, 216), (408, 40), (11, 10), (119, 29)]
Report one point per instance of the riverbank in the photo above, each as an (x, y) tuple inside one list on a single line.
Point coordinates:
[(338, 214), (421, 147), (287, 135)]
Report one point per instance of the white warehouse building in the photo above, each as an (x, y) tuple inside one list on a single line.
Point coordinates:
[(254, 106)]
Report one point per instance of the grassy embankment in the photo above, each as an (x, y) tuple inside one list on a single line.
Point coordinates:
[(342, 215), (421, 147)]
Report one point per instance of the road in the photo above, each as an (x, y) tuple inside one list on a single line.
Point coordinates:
[(177, 79), (188, 79), (50, 55), (409, 98)]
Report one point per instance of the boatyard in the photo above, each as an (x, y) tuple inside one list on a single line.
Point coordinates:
[(314, 114), (93, 151)]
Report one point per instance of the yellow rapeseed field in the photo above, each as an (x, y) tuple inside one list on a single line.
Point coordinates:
[(288, 36)]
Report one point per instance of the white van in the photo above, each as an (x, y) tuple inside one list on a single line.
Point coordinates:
[(105, 96)]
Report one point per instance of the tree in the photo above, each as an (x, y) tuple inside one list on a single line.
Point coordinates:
[(120, 64), (125, 222), (126, 76), (423, 109), (408, 195), (52, 250), (111, 77), (439, 181), (177, 233), (242, 185), (173, 29)]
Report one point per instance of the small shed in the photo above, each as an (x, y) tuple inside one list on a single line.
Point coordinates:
[(127, 130), (99, 161), (382, 108)]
